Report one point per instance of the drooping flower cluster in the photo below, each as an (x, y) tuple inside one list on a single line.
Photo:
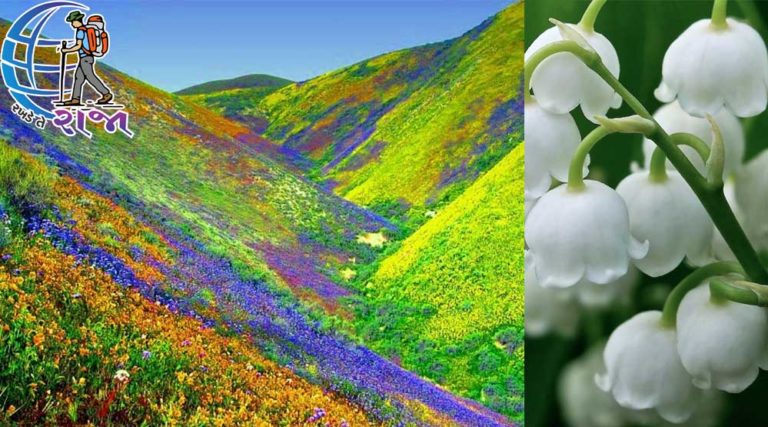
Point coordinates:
[(583, 238)]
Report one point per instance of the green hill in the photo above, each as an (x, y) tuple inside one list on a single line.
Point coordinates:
[(249, 81), (408, 129), (231, 97), (449, 302)]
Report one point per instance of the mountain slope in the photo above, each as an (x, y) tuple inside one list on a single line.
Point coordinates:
[(249, 81), (208, 176), (82, 345), (407, 129), (121, 322), (231, 97), (449, 302)]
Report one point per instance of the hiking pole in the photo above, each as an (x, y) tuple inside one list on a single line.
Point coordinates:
[(63, 67)]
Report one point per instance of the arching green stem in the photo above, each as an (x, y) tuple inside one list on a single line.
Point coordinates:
[(575, 180), (711, 197), (669, 313), (719, 13), (693, 141), (590, 15), (658, 166)]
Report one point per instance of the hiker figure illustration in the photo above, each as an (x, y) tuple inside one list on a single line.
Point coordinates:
[(91, 41)]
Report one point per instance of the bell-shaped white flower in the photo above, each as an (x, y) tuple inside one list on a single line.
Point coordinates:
[(581, 234), (708, 67), (547, 310), (752, 195), (582, 402), (673, 119), (670, 217), (643, 369), (721, 344), (550, 141), (595, 296), (562, 82)]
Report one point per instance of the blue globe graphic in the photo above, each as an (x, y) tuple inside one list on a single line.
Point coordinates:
[(25, 36)]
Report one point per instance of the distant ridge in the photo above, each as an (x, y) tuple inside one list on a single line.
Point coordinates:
[(243, 82)]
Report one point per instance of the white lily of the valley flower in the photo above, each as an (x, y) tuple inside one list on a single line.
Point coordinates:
[(582, 402), (594, 296), (707, 68), (670, 217), (547, 310), (581, 234), (562, 82), (644, 370), (550, 141), (751, 184), (673, 119), (721, 344)]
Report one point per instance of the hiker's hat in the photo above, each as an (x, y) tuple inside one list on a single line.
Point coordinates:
[(75, 15)]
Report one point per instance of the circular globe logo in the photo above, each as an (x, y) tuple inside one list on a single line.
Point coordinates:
[(24, 77)]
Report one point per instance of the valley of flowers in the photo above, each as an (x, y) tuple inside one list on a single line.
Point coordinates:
[(215, 225), (81, 343), (107, 319)]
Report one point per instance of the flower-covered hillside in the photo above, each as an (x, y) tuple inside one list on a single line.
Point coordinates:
[(407, 129), (81, 344), (193, 170), (449, 302), (159, 329)]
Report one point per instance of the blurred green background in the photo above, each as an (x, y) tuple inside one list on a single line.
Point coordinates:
[(641, 31)]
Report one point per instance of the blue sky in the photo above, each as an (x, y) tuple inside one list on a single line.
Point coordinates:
[(175, 44)]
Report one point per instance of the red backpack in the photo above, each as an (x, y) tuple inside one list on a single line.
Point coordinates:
[(98, 38)]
